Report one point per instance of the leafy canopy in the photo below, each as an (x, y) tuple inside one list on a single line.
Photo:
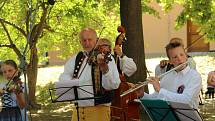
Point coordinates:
[(200, 12), (65, 20)]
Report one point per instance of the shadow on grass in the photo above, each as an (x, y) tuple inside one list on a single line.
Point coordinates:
[(207, 110), (49, 111), (62, 111)]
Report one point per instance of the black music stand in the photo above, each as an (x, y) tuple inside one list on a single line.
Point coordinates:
[(160, 110), (70, 94)]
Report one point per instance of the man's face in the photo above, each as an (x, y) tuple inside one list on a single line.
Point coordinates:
[(177, 56), (88, 40)]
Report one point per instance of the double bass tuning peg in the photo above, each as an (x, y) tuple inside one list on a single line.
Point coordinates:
[(121, 37)]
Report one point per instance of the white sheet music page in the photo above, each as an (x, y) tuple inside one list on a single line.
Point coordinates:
[(185, 112)]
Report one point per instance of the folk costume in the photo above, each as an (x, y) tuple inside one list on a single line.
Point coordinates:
[(77, 72), (183, 87)]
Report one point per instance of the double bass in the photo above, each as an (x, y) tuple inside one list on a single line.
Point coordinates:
[(124, 108)]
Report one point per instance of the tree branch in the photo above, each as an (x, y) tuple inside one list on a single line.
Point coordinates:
[(3, 5), (27, 22), (14, 25), (38, 28), (8, 35), (12, 45), (47, 27), (6, 45)]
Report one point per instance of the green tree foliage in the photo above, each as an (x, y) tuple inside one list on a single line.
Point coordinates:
[(55, 27), (68, 18), (51, 27), (64, 20), (148, 9), (200, 12)]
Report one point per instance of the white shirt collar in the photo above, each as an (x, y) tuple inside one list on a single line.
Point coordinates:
[(185, 70)]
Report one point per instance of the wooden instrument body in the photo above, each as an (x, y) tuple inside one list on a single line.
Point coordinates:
[(125, 108)]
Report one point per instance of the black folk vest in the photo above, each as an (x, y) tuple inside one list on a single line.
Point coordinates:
[(102, 96)]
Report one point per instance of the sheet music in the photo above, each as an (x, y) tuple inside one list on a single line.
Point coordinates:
[(185, 112), (64, 91)]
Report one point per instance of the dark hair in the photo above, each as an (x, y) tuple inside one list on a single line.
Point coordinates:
[(11, 63), (172, 46)]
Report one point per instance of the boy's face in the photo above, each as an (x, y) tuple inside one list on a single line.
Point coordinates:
[(177, 56)]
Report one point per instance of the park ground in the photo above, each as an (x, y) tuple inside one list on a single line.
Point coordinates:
[(62, 111)]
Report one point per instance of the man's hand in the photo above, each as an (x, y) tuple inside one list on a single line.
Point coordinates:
[(155, 82), (100, 58), (163, 63), (118, 50), (101, 62)]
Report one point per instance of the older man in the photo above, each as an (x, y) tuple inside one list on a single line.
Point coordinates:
[(103, 77)]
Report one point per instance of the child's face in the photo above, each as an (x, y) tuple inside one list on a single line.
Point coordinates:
[(8, 71), (177, 56)]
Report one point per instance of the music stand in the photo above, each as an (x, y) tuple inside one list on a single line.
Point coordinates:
[(185, 112), (70, 94), (160, 110)]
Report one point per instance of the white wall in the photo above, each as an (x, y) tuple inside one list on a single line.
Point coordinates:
[(157, 32)]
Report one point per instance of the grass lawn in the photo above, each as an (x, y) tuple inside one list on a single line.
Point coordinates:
[(62, 111)]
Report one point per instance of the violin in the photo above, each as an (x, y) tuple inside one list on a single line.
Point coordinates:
[(99, 49), (107, 54), (14, 85)]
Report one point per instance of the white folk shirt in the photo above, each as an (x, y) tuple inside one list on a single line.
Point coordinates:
[(110, 81), (188, 78), (127, 65)]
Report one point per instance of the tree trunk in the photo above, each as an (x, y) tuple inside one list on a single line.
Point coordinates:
[(32, 75), (131, 19), (32, 68)]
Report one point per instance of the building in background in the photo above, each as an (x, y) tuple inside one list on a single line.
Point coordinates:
[(157, 33)]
